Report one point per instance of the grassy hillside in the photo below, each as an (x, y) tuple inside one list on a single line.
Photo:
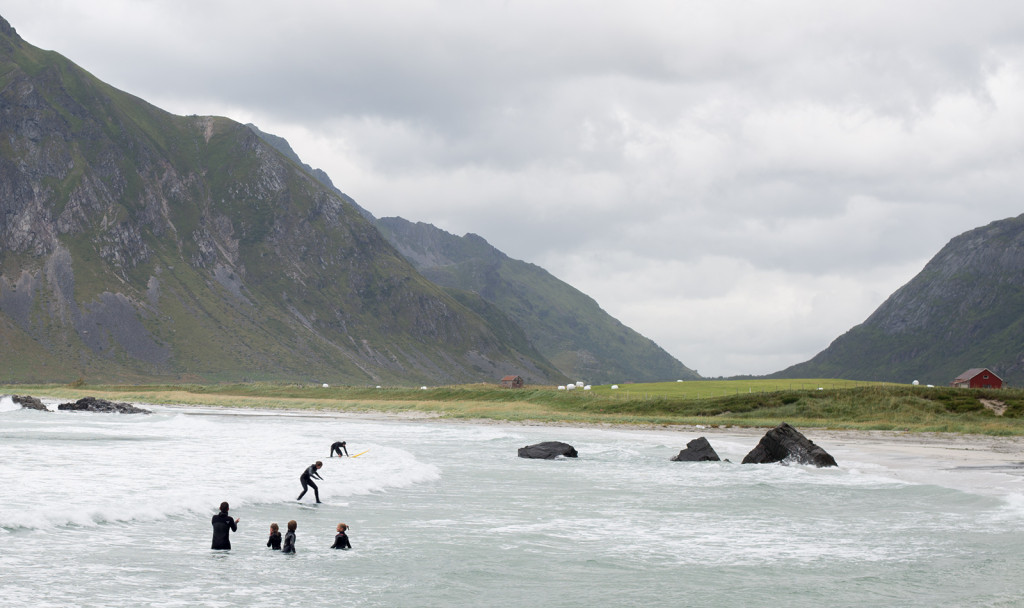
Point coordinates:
[(561, 324), (565, 325), (749, 403), (962, 311), (139, 245)]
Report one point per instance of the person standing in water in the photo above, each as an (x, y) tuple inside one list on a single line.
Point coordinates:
[(289, 538), (222, 528), (338, 446), (307, 480), (274, 540), (341, 539)]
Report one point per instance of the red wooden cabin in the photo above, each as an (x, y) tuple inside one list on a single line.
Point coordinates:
[(979, 377)]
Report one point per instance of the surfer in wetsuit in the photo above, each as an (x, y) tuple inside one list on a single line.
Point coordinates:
[(341, 539), (338, 446), (307, 480), (222, 528), (289, 538), (274, 540)]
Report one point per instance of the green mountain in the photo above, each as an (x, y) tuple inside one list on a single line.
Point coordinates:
[(964, 310), (566, 326), (138, 245)]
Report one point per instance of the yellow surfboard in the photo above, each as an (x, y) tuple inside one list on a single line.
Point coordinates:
[(360, 453)]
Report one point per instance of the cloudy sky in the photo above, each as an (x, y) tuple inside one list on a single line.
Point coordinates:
[(741, 182)]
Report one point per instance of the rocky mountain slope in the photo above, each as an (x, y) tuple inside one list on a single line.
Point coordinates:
[(562, 323), (139, 245), (965, 309)]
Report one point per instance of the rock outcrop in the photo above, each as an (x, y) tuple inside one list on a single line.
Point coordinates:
[(28, 402), (697, 450), (548, 450), (92, 404), (786, 444)]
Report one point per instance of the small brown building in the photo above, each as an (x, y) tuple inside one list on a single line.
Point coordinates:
[(978, 377), (512, 382)]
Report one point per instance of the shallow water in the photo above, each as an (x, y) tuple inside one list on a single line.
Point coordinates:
[(114, 510)]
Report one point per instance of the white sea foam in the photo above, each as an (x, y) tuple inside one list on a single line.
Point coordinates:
[(87, 469), (449, 515)]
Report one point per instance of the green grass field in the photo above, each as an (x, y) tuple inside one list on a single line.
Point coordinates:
[(834, 404), (706, 389)]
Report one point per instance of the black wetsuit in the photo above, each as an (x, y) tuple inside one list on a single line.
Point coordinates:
[(274, 542), (307, 480), (222, 524), (338, 446), (341, 541), (289, 543)]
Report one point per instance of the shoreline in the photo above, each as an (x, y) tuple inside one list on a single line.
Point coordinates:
[(968, 449), (977, 464)]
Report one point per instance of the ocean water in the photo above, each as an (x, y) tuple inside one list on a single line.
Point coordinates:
[(114, 510)]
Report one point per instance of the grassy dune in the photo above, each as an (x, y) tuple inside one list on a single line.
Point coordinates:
[(835, 404)]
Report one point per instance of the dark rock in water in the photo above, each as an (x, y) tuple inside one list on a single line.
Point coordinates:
[(28, 402), (92, 404), (784, 443), (548, 450), (697, 450)]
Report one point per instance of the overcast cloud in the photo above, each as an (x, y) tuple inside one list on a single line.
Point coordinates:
[(741, 182)]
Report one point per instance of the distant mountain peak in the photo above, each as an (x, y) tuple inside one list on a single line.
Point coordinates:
[(8, 31), (563, 324), (964, 310), (140, 245)]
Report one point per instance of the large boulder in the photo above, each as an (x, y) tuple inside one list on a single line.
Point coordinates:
[(28, 402), (697, 450), (92, 404), (785, 444), (548, 450)]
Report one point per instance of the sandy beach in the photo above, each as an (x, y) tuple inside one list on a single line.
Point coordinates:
[(970, 450), (962, 449), (976, 463)]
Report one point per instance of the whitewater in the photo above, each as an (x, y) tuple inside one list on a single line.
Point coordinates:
[(114, 510)]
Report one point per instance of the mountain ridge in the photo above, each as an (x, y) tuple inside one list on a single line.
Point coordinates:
[(142, 245), (962, 311), (565, 325)]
